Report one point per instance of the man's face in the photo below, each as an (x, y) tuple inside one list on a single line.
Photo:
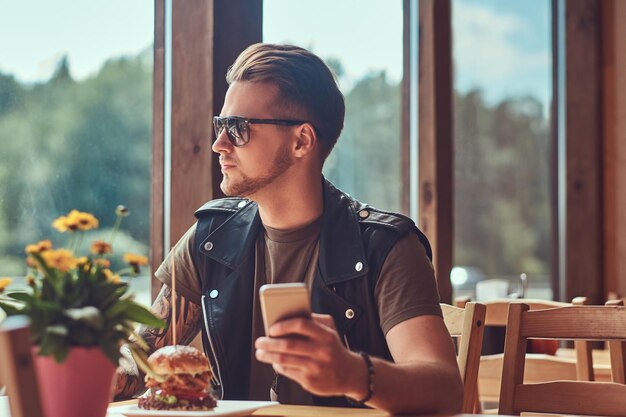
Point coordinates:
[(264, 159)]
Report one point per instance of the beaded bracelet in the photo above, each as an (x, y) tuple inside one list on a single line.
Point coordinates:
[(370, 379)]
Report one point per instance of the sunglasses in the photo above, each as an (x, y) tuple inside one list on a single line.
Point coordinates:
[(238, 128)]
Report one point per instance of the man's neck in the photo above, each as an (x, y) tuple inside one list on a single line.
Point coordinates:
[(292, 205)]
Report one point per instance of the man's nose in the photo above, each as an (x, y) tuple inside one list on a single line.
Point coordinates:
[(221, 143)]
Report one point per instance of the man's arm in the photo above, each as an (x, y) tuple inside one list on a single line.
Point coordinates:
[(129, 379), (424, 377)]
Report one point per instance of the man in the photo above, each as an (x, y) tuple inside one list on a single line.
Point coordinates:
[(379, 339)]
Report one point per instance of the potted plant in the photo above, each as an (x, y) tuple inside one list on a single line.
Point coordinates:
[(80, 313)]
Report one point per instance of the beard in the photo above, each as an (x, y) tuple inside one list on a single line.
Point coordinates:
[(247, 186)]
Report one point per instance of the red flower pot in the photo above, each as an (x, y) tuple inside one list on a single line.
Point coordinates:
[(78, 387)]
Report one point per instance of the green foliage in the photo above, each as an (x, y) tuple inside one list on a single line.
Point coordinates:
[(366, 160), (74, 144), (502, 184)]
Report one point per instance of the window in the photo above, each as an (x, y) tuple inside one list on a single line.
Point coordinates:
[(502, 149), (75, 123), (362, 43)]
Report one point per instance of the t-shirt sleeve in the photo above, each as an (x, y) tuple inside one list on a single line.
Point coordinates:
[(406, 287), (187, 280)]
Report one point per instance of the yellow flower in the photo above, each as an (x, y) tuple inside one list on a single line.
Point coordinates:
[(4, 282), (38, 247), (131, 258), (100, 247), (84, 221), (111, 277), (60, 259), (75, 220), (135, 261)]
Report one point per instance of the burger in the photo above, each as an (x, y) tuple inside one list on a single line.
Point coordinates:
[(179, 379)]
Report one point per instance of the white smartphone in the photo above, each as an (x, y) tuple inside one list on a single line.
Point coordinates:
[(283, 301)]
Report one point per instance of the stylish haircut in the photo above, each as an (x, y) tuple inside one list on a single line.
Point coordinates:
[(307, 88)]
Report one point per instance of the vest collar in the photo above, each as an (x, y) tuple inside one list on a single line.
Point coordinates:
[(341, 256)]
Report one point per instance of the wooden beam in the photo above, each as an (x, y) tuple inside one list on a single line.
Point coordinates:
[(435, 136), (156, 192), (192, 100), (614, 151), (583, 263)]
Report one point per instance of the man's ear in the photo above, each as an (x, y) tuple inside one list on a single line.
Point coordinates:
[(306, 140)]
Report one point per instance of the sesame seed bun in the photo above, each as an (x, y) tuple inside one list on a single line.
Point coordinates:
[(178, 359)]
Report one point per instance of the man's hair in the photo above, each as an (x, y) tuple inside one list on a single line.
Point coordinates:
[(307, 88)]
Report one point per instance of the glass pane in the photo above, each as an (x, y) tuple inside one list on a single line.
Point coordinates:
[(503, 90), (362, 42), (75, 124)]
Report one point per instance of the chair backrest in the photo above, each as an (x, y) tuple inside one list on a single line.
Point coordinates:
[(17, 368), (539, 367), (617, 352), (467, 324), (560, 397)]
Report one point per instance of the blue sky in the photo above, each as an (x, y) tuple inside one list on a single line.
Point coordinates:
[(501, 46)]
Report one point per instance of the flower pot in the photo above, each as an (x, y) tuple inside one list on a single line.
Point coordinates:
[(78, 387)]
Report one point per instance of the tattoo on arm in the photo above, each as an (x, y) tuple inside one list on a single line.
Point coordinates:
[(188, 323)]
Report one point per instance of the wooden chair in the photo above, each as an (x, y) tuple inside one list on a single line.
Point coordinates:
[(617, 352), (17, 368), (561, 397), (539, 367), (466, 324)]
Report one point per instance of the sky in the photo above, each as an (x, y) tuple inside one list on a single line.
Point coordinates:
[(500, 46)]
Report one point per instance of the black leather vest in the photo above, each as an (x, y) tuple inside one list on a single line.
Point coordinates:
[(354, 242)]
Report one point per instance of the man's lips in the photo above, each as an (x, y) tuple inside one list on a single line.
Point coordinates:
[(227, 165)]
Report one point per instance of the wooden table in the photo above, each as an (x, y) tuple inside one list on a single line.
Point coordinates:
[(311, 411)]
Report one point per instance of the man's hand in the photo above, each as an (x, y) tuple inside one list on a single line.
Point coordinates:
[(311, 353)]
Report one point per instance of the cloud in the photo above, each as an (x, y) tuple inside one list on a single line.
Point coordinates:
[(490, 52)]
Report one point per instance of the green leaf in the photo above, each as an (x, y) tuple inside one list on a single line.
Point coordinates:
[(140, 314), (22, 296), (111, 350), (50, 343), (116, 309), (11, 309), (61, 353)]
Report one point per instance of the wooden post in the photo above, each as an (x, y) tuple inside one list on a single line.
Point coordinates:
[(583, 225), (435, 136)]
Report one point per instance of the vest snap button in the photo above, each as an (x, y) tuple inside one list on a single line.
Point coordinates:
[(241, 204), (350, 313), (364, 214), (214, 293), (358, 266), (208, 246)]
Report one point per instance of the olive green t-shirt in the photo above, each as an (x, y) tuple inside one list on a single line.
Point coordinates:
[(405, 289)]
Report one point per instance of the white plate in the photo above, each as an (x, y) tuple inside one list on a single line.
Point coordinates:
[(223, 408)]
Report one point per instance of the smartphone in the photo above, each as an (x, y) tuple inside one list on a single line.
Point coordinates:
[(283, 301)]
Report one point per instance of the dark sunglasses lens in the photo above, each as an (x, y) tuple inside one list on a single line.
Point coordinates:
[(241, 128), (236, 130), (218, 126)]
